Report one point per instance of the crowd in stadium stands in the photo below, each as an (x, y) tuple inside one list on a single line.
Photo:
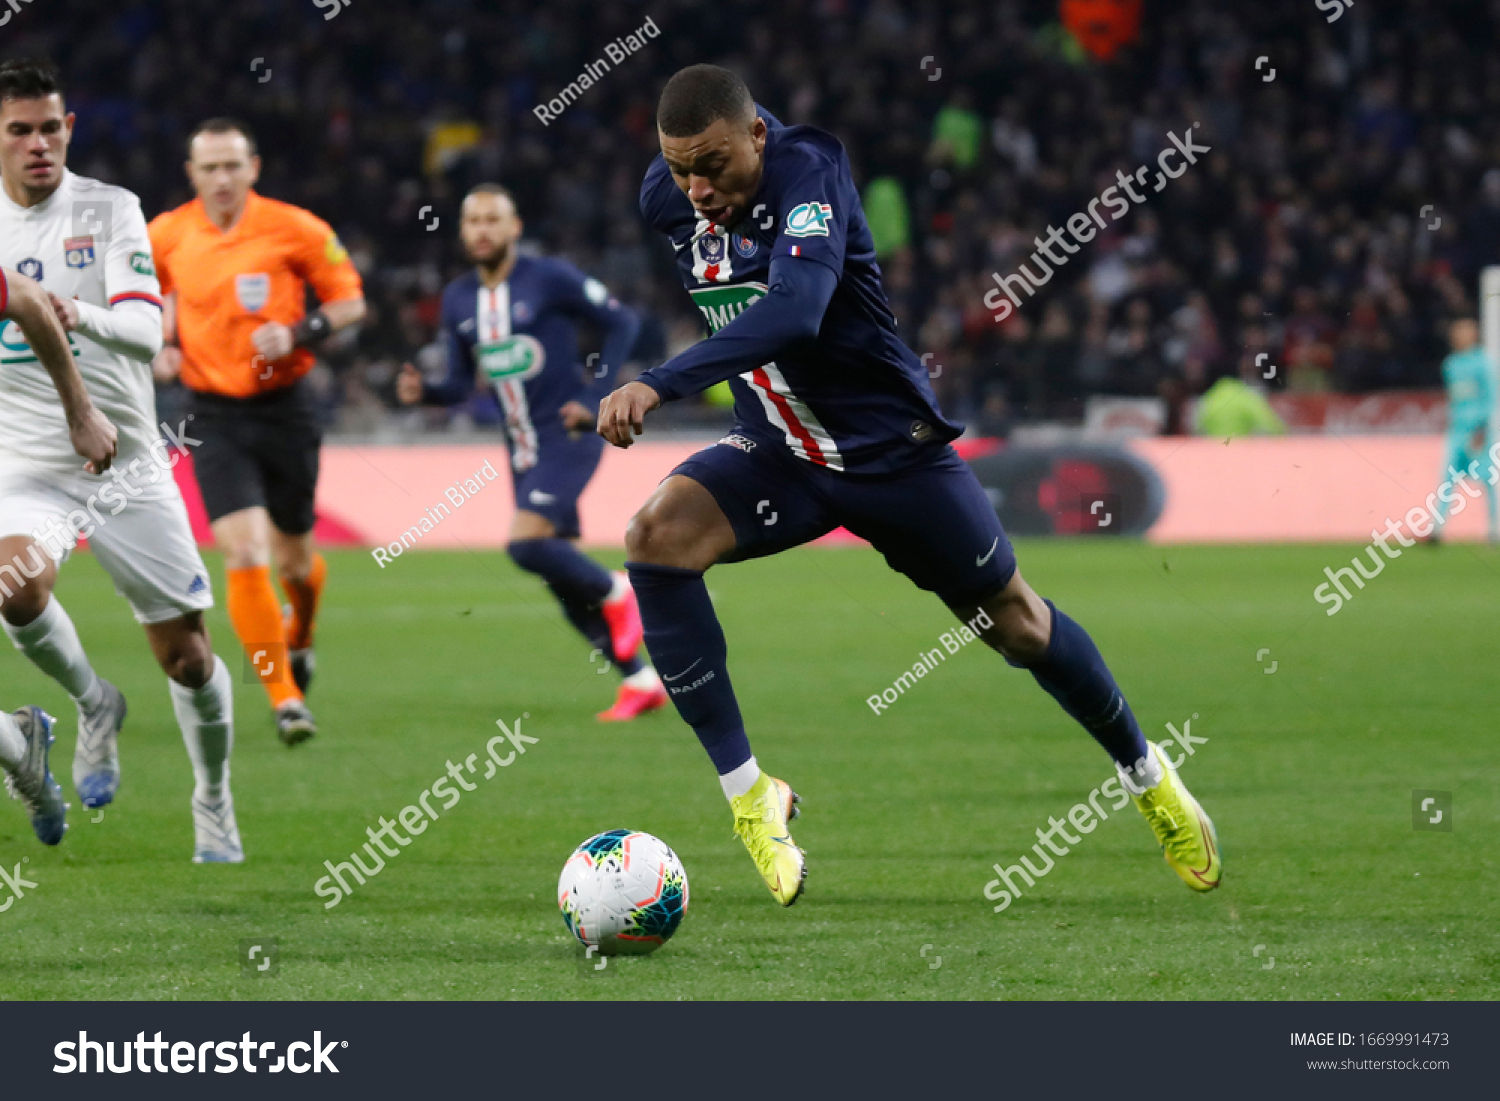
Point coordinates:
[(1350, 198)]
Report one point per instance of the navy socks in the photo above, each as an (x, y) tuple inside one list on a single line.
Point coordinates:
[(580, 585), (563, 567), (687, 646), (1074, 674)]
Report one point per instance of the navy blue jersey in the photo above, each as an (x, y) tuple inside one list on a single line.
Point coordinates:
[(854, 398), (522, 338)]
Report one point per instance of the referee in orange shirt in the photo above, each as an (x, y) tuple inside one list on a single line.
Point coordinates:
[(234, 269)]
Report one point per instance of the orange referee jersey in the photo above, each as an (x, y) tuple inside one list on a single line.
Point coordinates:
[(230, 284)]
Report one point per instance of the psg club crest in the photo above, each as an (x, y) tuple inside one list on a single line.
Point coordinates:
[(78, 251), (745, 245), (253, 291), (31, 268), (520, 312)]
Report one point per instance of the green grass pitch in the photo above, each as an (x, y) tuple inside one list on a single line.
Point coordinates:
[(1308, 771)]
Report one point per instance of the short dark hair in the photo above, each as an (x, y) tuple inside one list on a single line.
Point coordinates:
[(28, 78), (490, 189), (222, 126), (698, 96)]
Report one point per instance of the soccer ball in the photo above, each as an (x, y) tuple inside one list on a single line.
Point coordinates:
[(623, 892)]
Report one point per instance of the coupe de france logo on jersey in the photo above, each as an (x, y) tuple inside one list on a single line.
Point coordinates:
[(253, 290), (809, 220), (31, 268)]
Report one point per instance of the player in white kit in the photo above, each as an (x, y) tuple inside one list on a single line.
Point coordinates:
[(26, 735), (86, 244)]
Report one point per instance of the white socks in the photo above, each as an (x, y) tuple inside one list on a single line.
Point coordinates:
[(1146, 775), (735, 783), (619, 585), (51, 642), (12, 742), (645, 677), (206, 716)]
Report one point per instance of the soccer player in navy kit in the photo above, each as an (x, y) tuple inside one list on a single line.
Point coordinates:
[(836, 424), (512, 320)]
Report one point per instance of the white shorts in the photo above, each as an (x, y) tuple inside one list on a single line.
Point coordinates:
[(147, 548)]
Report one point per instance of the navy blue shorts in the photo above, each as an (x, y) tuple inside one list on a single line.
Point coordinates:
[(932, 521), (552, 487)]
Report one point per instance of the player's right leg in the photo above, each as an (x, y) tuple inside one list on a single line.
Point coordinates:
[(599, 604), (255, 614), (41, 628), (1457, 460), (25, 741), (709, 510)]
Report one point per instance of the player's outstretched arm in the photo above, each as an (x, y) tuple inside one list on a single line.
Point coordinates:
[(622, 415), (30, 307), (792, 310)]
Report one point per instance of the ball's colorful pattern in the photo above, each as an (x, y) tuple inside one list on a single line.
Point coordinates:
[(623, 892)]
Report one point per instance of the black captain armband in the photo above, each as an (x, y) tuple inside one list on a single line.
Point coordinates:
[(312, 329)]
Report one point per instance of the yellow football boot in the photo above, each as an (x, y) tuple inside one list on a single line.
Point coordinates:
[(760, 820), (1185, 833)]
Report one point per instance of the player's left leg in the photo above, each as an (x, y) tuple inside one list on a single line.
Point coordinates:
[(936, 525), (729, 502), (302, 571), (600, 605), (1457, 460), (149, 553), (202, 694)]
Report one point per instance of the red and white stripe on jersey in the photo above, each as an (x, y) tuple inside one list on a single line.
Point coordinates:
[(493, 318), (518, 424), (4, 292), (805, 434)]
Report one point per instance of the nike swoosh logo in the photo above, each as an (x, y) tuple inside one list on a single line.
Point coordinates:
[(684, 673), (983, 558)]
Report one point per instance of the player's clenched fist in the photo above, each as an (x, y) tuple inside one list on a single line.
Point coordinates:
[(95, 438), (622, 415)]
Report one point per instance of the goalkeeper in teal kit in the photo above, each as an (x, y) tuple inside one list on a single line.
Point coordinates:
[(1471, 403)]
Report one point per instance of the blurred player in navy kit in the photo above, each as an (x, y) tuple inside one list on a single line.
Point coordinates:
[(512, 321), (835, 424)]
